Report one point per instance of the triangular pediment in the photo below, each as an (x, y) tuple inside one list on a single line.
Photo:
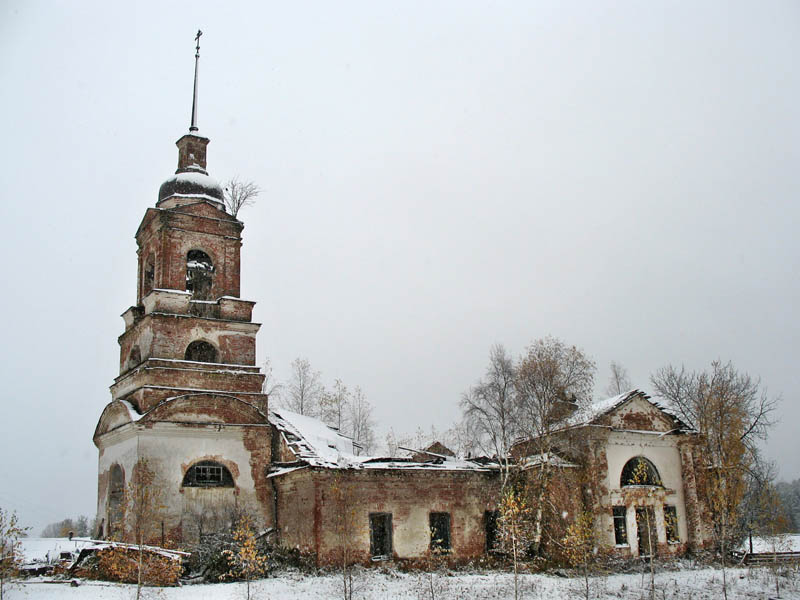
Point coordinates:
[(639, 414)]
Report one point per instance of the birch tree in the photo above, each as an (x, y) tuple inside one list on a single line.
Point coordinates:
[(362, 424), (334, 405), (490, 408), (552, 380), (305, 388), (619, 382)]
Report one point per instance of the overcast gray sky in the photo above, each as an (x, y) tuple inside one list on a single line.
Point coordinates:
[(438, 177)]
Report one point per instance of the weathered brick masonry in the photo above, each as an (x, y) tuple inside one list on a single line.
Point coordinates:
[(188, 402), (323, 510)]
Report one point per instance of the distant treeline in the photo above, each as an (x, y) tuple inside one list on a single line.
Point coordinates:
[(790, 497), (80, 527)]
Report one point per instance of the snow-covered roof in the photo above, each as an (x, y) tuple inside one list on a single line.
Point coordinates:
[(317, 445), (591, 413), (312, 440), (551, 458), (598, 408)]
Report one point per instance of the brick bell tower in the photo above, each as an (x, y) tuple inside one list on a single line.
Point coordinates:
[(187, 401)]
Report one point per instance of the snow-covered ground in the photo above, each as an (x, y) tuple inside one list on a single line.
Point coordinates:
[(788, 542), (699, 584), (690, 583), (48, 549)]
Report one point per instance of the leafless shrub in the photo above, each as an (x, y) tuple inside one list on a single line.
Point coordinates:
[(239, 193)]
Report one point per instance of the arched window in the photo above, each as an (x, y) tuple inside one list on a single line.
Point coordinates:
[(200, 351), (199, 274), (116, 495), (639, 471), (207, 473)]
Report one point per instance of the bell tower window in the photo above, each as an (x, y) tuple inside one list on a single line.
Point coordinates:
[(200, 351), (199, 274), (148, 275)]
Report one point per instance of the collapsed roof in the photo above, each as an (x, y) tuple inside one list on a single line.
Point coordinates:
[(315, 444)]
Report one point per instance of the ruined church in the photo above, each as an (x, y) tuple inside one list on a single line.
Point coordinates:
[(188, 406)]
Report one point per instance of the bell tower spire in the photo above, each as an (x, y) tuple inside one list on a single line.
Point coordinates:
[(193, 126), (192, 146)]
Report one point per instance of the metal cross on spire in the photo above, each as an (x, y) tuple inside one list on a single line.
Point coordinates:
[(193, 126)]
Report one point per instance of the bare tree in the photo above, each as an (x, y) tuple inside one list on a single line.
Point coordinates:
[(619, 382), (305, 388), (713, 402), (238, 194), (490, 407), (463, 439), (362, 425), (271, 386), (731, 414), (553, 379), (334, 405)]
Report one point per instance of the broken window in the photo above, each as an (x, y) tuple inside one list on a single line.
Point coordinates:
[(207, 473), (620, 526), (200, 351), (440, 531), (380, 535), (490, 527), (639, 471), (671, 523), (199, 274)]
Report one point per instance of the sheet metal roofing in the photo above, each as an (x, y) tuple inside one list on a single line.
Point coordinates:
[(318, 445)]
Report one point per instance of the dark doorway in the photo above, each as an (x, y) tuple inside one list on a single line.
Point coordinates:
[(380, 535), (646, 530)]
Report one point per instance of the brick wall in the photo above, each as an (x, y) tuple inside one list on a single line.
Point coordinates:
[(323, 510)]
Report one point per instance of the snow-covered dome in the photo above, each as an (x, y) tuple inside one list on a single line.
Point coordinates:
[(193, 185)]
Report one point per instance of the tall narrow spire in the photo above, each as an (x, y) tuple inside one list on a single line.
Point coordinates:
[(193, 126)]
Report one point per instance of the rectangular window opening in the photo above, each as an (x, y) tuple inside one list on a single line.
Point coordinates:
[(380, 535), (490, 526), (671, 523), (620, 526), (440, 531)]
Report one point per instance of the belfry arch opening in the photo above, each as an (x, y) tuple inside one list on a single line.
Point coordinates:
[(199, 274), (639, 471), (201, 351), (207, 473)]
